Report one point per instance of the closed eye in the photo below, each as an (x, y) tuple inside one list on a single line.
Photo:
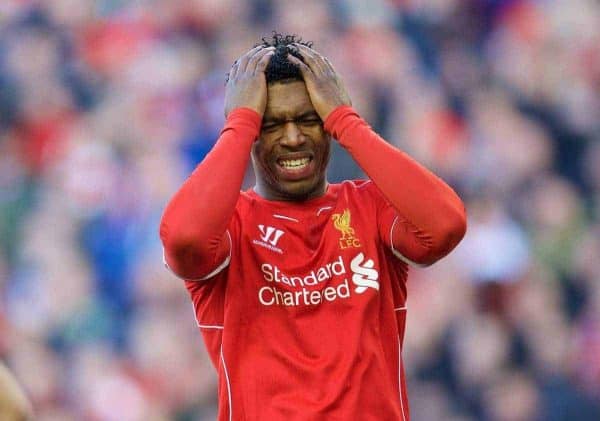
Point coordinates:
[(270, 127), (309, 121), (304, 121)]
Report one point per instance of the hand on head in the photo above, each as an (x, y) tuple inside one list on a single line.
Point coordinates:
[(247, 85), (324, 85)]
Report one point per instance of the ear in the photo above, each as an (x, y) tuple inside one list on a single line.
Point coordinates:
[(328, 138)]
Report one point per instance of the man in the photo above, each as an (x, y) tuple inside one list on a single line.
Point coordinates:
[(298, 285)]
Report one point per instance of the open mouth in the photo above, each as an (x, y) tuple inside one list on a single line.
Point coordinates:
[(294, 164), (295, 167)]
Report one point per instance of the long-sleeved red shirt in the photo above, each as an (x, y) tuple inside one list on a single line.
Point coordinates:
[(302, 304), (432, 217)]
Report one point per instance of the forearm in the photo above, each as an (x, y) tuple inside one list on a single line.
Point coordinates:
[(196, 218), (421, 198)]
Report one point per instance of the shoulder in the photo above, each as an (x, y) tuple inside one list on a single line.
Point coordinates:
[(356, 184), (349, 187), (364, 193), (247, 202), (359, 188), (246, 196)]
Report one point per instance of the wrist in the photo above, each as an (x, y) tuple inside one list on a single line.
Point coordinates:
[(246, 118), (337, 119)]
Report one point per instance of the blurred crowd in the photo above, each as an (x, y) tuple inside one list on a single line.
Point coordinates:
[(107, 105)]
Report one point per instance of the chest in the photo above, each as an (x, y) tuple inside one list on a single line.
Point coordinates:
[(304, 260), (300, 239)]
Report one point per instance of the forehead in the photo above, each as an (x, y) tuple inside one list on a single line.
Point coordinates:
[(287, 99)]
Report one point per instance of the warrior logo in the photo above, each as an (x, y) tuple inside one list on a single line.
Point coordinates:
[(270, 234), (341, 222), (269, 237)]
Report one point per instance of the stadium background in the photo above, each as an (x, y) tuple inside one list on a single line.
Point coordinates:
[(106, 106)]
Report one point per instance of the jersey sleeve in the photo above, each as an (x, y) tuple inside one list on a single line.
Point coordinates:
[(425, 217), (396, 233), (222, 254), (196, 228)]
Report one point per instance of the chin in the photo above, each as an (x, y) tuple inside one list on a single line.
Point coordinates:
[(299, 192)]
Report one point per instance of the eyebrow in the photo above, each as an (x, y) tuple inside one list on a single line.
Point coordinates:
[(309, 114)]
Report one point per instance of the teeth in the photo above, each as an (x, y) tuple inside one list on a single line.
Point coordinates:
[(294, 163)]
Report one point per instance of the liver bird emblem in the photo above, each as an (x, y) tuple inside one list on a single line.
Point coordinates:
[(341, 222)]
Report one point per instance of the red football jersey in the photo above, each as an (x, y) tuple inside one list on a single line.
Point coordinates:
[(305, 318)]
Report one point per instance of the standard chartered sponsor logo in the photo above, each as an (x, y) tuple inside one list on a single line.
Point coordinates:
[(363, 276), (271, 295)]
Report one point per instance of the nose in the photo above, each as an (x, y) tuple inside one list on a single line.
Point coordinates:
[(292, 135)]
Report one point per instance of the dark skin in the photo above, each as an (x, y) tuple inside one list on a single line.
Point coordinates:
[(292, 152)]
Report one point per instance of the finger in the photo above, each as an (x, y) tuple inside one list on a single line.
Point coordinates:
[(233, 71), (308, 56), (329, 65), (262, 64), (333, 72), (243, 60), (259, 57), (306, 71), (312, 58)]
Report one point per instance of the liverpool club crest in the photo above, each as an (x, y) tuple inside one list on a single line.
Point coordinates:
[(341, 222)]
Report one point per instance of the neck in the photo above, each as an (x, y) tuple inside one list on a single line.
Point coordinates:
[(269, 193)]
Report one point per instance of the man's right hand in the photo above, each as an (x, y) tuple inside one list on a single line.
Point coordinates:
[(247, 84)]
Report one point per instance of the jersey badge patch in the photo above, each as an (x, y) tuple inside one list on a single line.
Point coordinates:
[(341, 222)]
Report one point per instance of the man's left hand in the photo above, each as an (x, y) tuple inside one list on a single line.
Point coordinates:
[(325, 87)]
